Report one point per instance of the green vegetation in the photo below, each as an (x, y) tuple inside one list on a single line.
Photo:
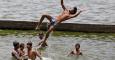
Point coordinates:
[(93, 36), (17, 32)]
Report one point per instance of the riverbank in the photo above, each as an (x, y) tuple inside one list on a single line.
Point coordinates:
[(29, 25)]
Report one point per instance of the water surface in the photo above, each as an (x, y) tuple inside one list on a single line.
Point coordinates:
[(93, 46), (98, 11)]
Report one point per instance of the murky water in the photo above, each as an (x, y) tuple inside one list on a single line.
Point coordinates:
[(98, 11), (60, 46)]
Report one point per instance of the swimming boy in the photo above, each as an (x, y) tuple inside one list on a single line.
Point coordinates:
[(65, 15), (76, 51), (32, 54), (15, 52)]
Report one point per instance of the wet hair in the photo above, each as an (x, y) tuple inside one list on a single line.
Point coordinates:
[(22, 45), (29, 43), (73, 11), (77, 44), (15, 43), (41, 35)]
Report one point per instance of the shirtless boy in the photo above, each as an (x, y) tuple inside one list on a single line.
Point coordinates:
[(76, 51), (32, 54), (65, 15), (15, 53)]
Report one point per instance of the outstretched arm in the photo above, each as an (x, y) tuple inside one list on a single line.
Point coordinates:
[(62, 4), (75, 15)]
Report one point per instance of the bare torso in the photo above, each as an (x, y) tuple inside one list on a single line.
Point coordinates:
[(63, 16), (31, 55)]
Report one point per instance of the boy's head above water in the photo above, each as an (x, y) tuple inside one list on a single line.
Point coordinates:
[(22, 46), (29, 45), (41, 35), (77, 45), (16, 44)]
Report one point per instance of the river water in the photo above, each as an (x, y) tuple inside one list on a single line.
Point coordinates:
[(60, 46), (97, 11)]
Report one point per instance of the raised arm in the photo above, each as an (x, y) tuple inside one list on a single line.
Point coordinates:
[(62, 4), (75, 15)]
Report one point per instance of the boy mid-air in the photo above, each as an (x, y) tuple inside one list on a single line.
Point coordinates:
[(65, 15)]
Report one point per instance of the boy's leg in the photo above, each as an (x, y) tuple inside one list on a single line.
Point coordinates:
[(47, 35), (41, 20)]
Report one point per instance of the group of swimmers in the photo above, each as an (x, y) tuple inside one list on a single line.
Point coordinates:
[(54, 21), (19, 52)]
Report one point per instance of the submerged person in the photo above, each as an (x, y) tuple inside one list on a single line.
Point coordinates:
[(32, 54), (76, 51), (41, 36), (16, 52), (65, 15)]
